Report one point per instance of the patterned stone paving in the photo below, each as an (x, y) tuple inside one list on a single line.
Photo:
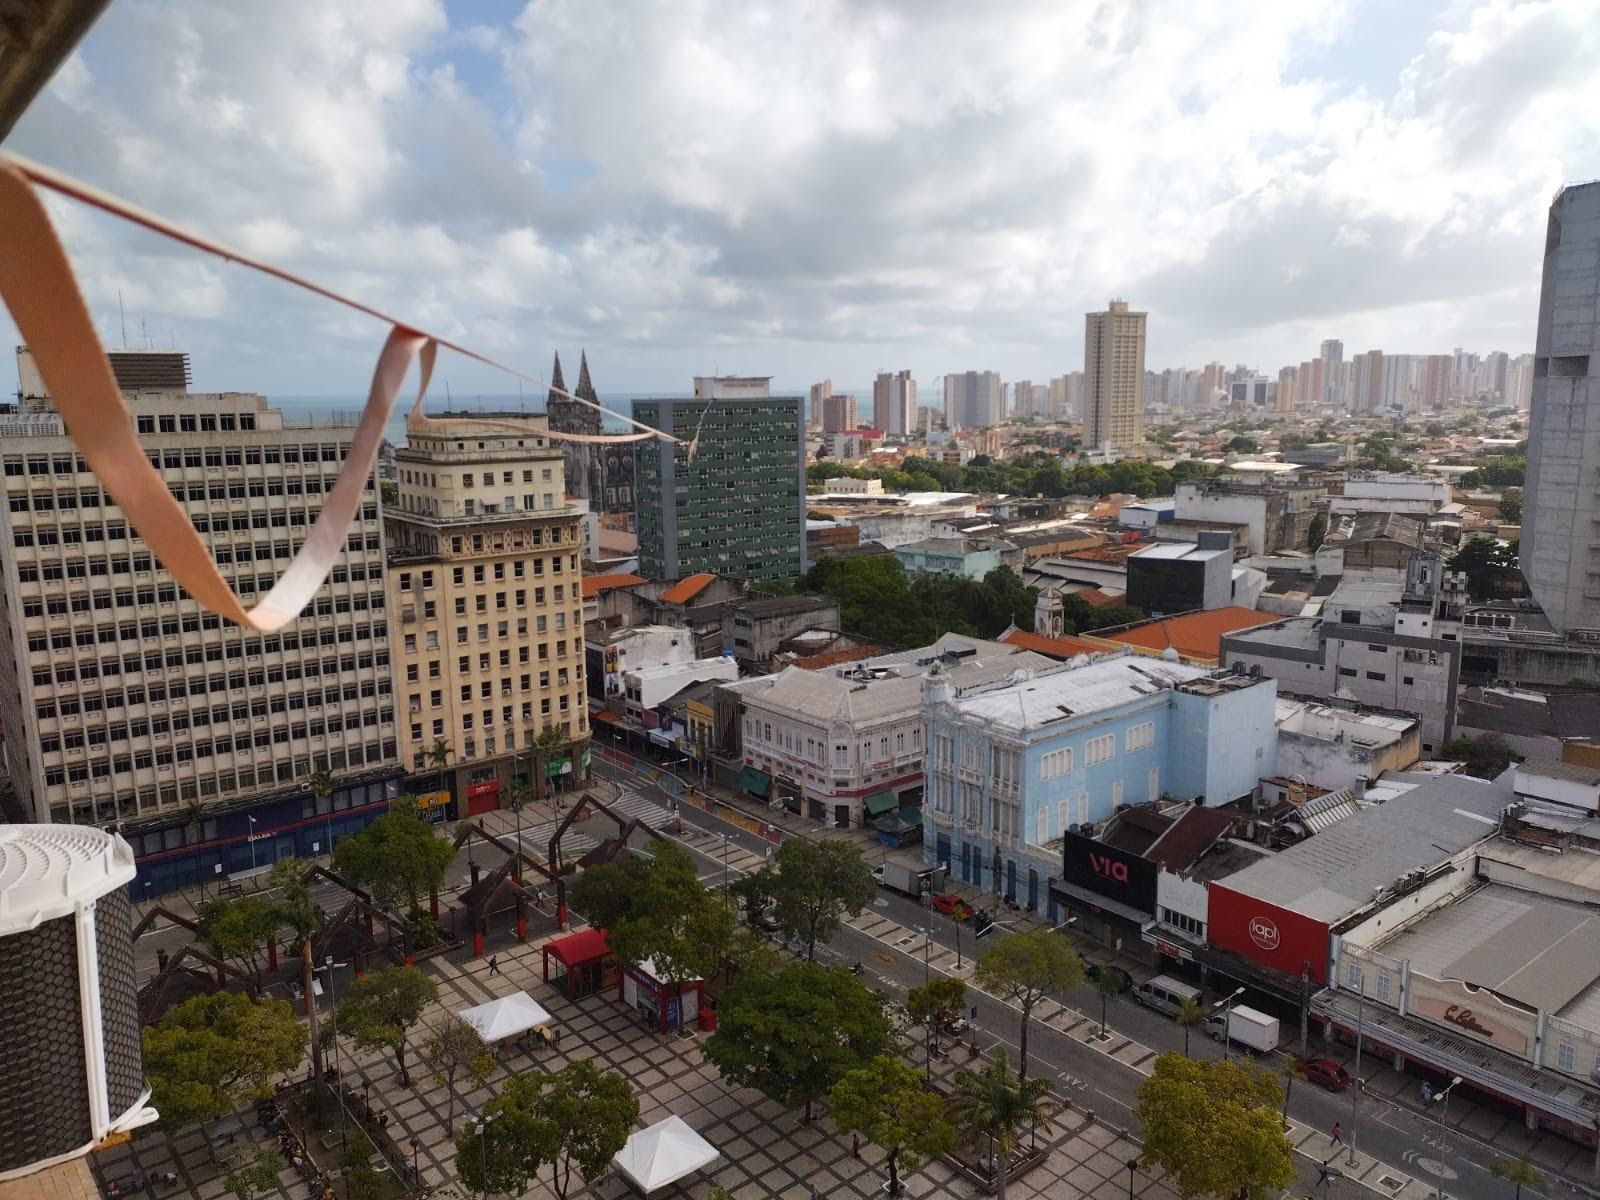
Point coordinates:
[(768, 1154)]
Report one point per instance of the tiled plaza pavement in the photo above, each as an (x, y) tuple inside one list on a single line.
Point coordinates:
[(768, 1154)]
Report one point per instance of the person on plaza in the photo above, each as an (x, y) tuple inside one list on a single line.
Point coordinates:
[(494, 964), (1338, 1134), (855, 1145), (1427, 1092)]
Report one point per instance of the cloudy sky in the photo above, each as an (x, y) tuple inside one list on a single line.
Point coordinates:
[(821, 188)]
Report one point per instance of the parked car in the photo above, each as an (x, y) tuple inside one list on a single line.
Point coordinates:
[(768, 921), (1324, 1072), (1123, 980), (952, 906)]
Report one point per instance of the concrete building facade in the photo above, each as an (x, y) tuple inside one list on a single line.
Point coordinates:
[(838, 413), (738, 508), (125, 703), (1113, 375), (486, 596), (1561, 517), (894, 403), (972, 400)]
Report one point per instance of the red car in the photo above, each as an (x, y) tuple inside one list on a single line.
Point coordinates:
[(1324, 1072), (952, 906)]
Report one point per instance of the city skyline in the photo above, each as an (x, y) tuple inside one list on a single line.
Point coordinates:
[(1326, 177)]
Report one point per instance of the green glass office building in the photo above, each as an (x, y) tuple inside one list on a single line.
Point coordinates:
[(738, 507)]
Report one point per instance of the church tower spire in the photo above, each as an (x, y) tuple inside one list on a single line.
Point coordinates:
[(557, 385)]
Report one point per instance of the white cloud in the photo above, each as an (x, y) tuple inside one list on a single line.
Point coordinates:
[(826, 187)]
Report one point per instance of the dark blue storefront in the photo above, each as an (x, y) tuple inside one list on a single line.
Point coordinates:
[(228, 844)]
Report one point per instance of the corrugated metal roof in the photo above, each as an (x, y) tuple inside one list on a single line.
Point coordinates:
[(1072, 690)]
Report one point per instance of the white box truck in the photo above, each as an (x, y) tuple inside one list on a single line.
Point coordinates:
[(912, 881), (1247, 1027)]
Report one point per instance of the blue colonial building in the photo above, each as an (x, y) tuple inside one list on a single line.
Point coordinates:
[(1015, 765)]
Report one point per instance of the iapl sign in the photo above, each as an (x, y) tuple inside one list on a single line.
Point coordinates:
[(1266, 933)]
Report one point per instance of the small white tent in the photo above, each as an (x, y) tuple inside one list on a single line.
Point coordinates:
[(506, 1017), (663, 1154)]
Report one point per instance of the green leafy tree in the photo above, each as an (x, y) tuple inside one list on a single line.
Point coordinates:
[(209, 1054), (238, 931), (546, 746), (934, 1004), (1485, 562), (574, 1120), (1485, 757), (886, 1102), (457, 1050), (795, 1032), (1189, 1013), (1108, 982), (257, 1174), (379, 1010), (1024, 968), (1241, 445), (604, 892), (816, 884), (1511, 506), (1498, 471), (1214, 1128), (1518, 1172), (398, 858), (755, 893), (996, 1105), (1317, 532)]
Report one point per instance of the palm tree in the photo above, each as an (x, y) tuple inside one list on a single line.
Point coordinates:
[(995, 1104), (1517, 1171), (320, 784), (518, 792), (439, 756), (1291, 1070), (1188, 1014), (550, 740)]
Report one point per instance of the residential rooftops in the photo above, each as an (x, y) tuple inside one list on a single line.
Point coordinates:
[(1194, 635), (687, 588)]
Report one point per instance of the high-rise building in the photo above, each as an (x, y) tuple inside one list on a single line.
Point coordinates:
[(894, 403), (737, 506), (1331, 356), (598, 472), (1366, 382), (1021, 398), (838, 413), (486, 597), (1519, 381), (1561, 516), (819, 393), (972, 400), (1436, 380), (123, 701), (1066, 396), (1113, 373)]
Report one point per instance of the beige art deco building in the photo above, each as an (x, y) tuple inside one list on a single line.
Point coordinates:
[(1113, 377), (486, 602), (123, 702)]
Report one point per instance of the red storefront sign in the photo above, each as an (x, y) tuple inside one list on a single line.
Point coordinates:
[(1265, 933), (483, 797)]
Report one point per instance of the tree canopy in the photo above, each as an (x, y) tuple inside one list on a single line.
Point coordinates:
[(997, 1104), (886, 1102), (793, 1033), (237, 930), (455, 1050), (378, 1011), (1487, 757), (1214, 1127), (1486, 564), (1024, 968), (206, 1055), (574, 1120), (397, 858), (1498, 471), (815, 884)]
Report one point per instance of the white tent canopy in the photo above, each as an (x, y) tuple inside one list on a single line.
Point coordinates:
[(506, 1017), (663, 1154)]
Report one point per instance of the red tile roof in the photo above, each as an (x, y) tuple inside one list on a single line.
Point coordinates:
[(832, 658), (687, 588), (1062, 647), (1196, 635), (1096, 597), (593, 585)]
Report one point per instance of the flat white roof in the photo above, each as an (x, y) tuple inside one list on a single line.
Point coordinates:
[(1070, 691)]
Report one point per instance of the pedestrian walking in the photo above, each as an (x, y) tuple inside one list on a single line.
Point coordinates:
[(494, 964), (855, 1145), (1338, 1134)]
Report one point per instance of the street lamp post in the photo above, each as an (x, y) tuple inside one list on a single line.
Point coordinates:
[(328, 966), (1133, 1165), (483, 1124), (1226, 1004), (251, 838), (1355, 1084), (1442, 1099), (416, 1160)]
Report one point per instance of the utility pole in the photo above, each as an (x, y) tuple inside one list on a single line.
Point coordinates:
[(1355, 1088)]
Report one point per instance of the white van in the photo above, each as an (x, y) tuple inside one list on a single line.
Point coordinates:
[(1165, 994)]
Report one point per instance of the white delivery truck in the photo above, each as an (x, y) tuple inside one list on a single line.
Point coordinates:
[(1247, 1027), (912, 881)]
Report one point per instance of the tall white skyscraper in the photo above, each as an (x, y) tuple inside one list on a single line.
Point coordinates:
[(1113, 373), (819, 393), (972, 400), (894, 403), (1332, 356), (1561, 515)]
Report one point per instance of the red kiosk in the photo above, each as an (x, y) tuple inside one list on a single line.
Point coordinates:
[(587, 962), (665, 1003)]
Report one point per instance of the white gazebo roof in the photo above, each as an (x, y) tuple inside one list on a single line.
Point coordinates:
[(663, 1154), (506, 1016)]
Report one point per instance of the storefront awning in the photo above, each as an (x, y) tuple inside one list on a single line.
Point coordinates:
[(879, 803), (661, 737), (1072, 895), (755, 781)]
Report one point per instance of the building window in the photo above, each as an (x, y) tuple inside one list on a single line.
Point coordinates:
[(1056, 764), (1382, 985), (1353, 977), (1140, 737), (1566, 1056), (1377, 675), (1100, 749)]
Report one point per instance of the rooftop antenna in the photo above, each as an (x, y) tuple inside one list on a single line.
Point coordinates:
[(122, 318), (144, 334)]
